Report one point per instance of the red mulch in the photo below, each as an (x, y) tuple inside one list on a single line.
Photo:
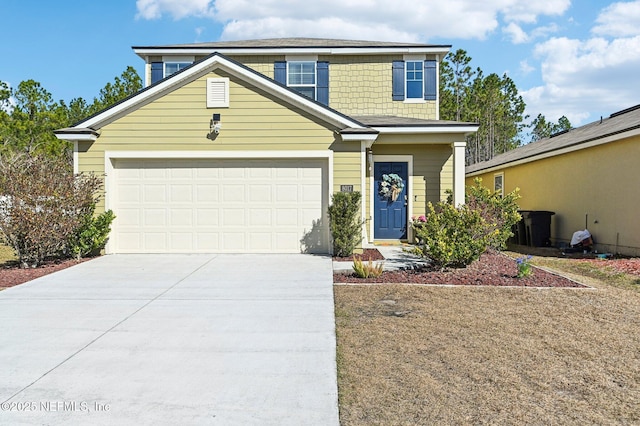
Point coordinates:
[(367, 254), (493, 269), (628, 266), (12, 274)]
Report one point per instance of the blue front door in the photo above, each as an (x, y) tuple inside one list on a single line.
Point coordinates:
[(389, 207)]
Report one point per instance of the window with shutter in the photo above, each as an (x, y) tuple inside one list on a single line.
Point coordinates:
[(310, 78)]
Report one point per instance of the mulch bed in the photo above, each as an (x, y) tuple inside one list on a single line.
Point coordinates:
[(367, 254), (492, 269), (12, 274), (627, 266)]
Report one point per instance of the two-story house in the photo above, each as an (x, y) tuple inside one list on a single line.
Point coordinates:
[(238, 146)]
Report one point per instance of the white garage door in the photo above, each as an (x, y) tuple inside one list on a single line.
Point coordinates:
[(221, 205)]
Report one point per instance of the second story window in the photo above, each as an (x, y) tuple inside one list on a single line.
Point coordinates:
[(414, 79), (309, 77), (173, 67), (301, 76)]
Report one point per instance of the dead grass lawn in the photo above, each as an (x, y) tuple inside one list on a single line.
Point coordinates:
[(489, 355)]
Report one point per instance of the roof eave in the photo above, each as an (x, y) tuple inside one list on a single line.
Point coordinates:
[(146, 51), (81, 134), (465, 129)]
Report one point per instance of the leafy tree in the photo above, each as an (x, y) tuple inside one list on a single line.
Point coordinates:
[(541, 128), (456, 77), (127, 84), (29, 115), (491, 101), (30, 123), (497, 107)]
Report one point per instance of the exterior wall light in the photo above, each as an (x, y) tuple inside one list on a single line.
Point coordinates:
[(215, 124)]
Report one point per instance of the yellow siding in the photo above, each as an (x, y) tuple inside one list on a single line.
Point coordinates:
[(179, 121), (596, 187), (346, 170)]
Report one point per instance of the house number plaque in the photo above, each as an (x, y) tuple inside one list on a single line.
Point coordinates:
[(346, 188)]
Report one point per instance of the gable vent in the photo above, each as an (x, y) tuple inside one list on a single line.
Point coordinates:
[(217, 92)]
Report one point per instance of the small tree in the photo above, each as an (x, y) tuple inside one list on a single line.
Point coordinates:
[(42, 204), (345, 222)]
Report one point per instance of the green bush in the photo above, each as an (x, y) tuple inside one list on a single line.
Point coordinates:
[(456, 236), (345, 222), (499, 213), (92, 235)]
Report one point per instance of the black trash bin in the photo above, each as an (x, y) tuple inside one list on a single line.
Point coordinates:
[(537, 227)]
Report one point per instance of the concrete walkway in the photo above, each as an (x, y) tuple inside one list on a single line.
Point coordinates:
[(395, 259), (172, 339)]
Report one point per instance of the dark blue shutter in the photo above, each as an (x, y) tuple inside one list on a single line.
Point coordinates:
[(157, 71), (322, 84), (430, 81), (280, 72), (398, 80)]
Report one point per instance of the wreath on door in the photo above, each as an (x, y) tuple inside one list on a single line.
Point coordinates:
[(391, 186)]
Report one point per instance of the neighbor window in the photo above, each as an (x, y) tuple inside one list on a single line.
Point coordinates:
[(498, 184), (414, 79), (174, 67), (301, 77)]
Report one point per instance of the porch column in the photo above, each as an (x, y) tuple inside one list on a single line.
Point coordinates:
[(458, 172)]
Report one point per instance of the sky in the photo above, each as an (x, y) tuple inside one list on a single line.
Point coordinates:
[(577, 59)]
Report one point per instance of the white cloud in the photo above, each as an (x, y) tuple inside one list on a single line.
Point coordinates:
[(178, 9), (525, 68), (581, 76), (515, 33), (529, 11), (403, 20), (619, 20)]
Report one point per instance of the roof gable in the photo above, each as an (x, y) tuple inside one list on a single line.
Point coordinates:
[(198, 69)]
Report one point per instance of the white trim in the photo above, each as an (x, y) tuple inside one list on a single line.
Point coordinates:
[(428, 50), (363, 191), (429, 129), (109, 168), (392, 158), (414, 58), (80, 137), (415, 100), (363, 137), (178, 59), (301, 58), (458, 149), (201, 68), (495, 175), (577, 147), (75, 157)]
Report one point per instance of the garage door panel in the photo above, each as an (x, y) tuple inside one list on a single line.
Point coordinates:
[(218, 205)]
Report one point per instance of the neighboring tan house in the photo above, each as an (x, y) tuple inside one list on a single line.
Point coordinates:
[(238, 146), (588, 176)]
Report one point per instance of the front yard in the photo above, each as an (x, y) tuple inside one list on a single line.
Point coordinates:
[(439, 355)]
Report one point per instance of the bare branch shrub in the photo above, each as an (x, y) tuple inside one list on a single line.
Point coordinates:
[(42, 204)]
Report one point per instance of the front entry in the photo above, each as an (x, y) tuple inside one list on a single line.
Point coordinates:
[(390, 200)]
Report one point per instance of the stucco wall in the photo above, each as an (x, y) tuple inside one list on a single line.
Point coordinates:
[(595, 187)]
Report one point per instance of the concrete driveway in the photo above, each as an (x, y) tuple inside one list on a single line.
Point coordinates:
[(172, 339)]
